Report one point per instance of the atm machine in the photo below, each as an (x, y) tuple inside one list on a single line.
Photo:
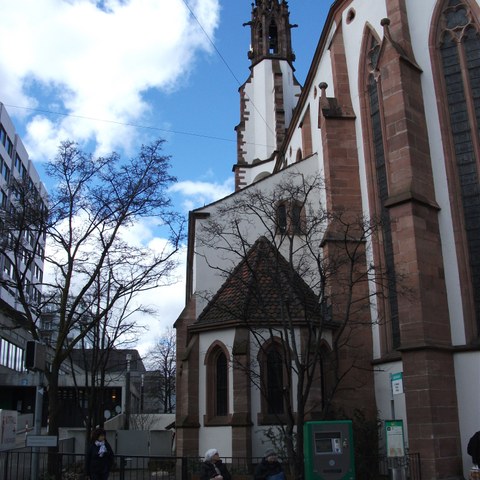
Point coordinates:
[(328, 452)]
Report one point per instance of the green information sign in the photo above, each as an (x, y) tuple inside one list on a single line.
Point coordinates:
[(397, 383), (395, 438)]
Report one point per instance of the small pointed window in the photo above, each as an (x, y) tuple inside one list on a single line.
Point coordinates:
[(221, 404), (291, 218), (217, 396), (274, 381), (282, 218), (273, 38)]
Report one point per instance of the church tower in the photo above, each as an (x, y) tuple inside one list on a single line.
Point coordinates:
[(269, 96)]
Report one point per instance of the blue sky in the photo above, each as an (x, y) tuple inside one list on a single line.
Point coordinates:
[(123, 72)]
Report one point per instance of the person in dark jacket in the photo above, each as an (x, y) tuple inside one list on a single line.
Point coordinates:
[(269, 468), (213, 468), (99, 456), (473, 448)]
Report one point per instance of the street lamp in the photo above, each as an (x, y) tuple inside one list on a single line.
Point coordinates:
[(127, 393), (142, 393)]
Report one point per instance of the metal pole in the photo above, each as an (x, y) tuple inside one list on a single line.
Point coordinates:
[(127, 393), (37, 426)]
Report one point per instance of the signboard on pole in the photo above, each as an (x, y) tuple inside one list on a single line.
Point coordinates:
[(42, 440), (395, 438), (397, 383)]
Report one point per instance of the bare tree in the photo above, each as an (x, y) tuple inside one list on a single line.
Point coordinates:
[(161, 359), (95, 269), (117, 330), (302, 282)]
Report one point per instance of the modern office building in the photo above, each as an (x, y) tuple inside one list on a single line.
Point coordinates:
[(16, 168)]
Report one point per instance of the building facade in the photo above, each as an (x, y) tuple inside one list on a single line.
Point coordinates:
[(17, 173), (389, 117)]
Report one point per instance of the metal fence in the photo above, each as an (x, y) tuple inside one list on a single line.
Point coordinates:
[(17, 465), (410, 463)]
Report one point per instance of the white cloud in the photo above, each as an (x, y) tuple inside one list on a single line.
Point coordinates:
[(168, 302), (100, 59), (197, 194), (96, 61)]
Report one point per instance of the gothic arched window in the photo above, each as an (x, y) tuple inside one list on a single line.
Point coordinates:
[(221, 385), (291, 218), (458, 47), (274, 382), (306, 129), (216, 361), (299, 155), (273, 38), (378, 168)]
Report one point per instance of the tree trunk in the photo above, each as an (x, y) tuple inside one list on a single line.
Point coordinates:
[(54, 406)]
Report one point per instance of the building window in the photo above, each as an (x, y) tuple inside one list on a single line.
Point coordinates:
[(290, 218), (11, 355), (379, 175), (5, 170), (306, 129), (273, 383), (273, 38), (282, 218), (9, 146), (458, 49), (3, 199), (217, 396), (3, 135), (299, 156), (221, 385)]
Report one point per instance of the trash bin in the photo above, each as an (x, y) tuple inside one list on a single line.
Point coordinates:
[(398, 473)]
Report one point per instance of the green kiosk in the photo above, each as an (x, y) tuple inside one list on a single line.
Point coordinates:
[(328, 450)]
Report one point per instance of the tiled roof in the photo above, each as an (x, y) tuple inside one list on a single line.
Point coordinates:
[(262, 289)]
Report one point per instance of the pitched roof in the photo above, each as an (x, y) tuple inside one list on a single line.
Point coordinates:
[(263, 289)]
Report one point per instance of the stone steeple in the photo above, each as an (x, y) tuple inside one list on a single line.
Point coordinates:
[(270, 31), (269, 96)]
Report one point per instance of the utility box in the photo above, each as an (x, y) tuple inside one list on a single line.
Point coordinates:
[(328, 451), (35, 356)]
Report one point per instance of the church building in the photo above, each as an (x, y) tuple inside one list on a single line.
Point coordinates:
[(386, 126)]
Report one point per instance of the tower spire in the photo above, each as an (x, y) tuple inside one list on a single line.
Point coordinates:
[(269, 96), (270, 31)]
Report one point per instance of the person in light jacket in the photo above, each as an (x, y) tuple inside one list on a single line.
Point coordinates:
[(213, 468), (99, 456)]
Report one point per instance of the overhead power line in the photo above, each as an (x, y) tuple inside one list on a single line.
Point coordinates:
[(226, 64), (116, 122), (125, 124), (149, 127)]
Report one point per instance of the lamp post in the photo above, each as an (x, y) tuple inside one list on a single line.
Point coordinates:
[(127, 393), (142, 393)]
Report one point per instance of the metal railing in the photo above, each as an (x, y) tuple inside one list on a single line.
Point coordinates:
[(16, 465), (410, 463)]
